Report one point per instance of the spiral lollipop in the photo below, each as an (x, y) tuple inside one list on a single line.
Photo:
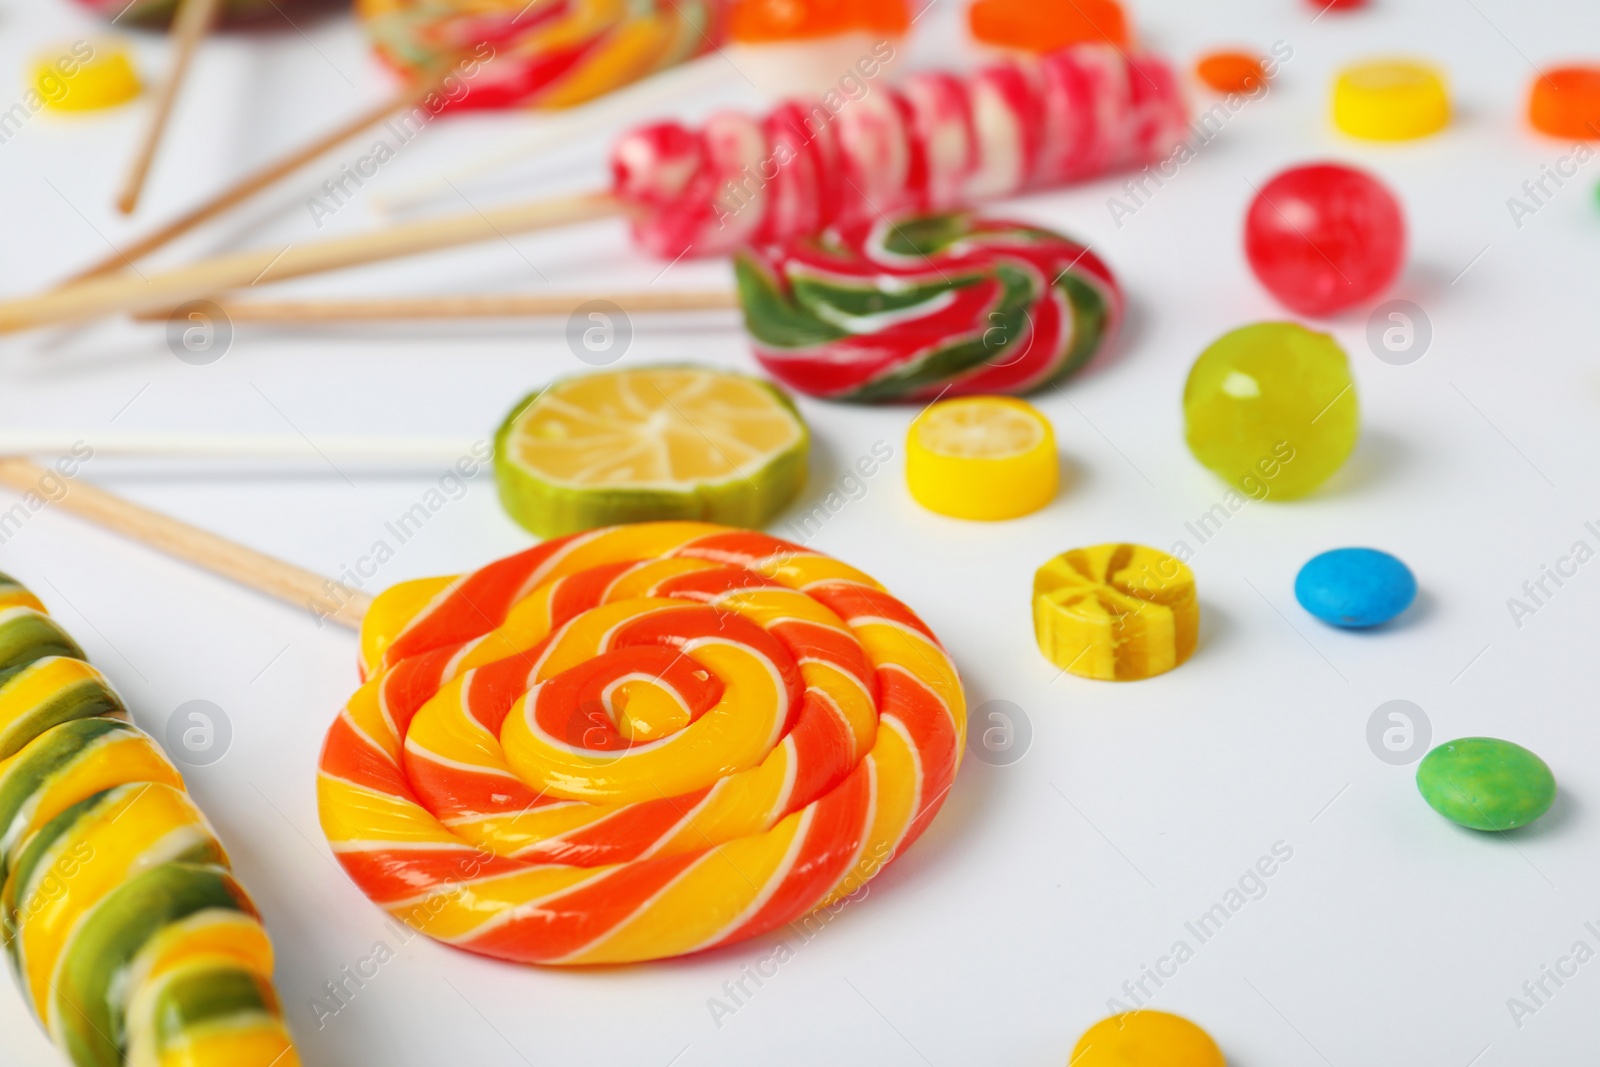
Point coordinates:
[(635, 743), (548, 53), (128, 936), (937, 306)]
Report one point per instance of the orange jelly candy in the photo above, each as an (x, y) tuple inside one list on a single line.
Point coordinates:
[(765, 21), (1048, 25), (1566, 102), (1231, 72)]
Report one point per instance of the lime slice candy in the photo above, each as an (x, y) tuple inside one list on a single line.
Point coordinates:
[(649, 444)]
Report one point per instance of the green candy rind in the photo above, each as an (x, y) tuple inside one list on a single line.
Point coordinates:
[(84, 699), (27, 635), (89, 1025), (550, 510), (1484, 783)]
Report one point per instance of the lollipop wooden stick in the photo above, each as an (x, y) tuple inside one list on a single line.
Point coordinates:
[(261, 179), (230, 560), (511, 305), (190, 26), (124, 293), (228, 446)]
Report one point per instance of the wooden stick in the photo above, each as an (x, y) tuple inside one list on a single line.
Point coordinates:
[(259, 180), (556, 128), (123, 293), (440, 451), (288, 583), (511, 305), (194, 20)]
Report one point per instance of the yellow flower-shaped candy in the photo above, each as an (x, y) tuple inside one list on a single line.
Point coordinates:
[(982, 457), (1116, 612)]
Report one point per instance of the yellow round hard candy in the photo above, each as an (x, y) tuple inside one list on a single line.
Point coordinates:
[(86, 76), (1116, 612), (1146, 1039), (1390, 100), (982, 457)]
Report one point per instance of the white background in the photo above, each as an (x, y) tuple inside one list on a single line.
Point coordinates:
[(1391, 936)]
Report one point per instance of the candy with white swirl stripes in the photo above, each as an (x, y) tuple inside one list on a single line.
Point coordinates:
[(635, 743), (128, 935), (936, 143), (943, 305)]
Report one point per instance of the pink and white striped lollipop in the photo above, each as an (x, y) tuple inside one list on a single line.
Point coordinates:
[(935, 143)]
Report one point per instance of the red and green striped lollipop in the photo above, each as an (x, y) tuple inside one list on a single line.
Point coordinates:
[(947, 305)]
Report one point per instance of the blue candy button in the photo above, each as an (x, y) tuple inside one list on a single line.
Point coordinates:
[(1355, 587)]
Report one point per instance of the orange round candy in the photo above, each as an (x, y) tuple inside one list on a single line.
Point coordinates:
[(1231, 72), (1566, 102), (767, 21), (1048, 25)]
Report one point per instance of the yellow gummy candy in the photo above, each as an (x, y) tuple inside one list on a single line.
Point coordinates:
[(1116, 612), (86, 77), (982, 457), (1390, 100)]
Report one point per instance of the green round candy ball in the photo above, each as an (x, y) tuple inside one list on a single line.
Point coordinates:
[(1485, 783), (1272, 409)]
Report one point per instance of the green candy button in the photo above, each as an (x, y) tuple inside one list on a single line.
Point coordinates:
[(1485, 783)]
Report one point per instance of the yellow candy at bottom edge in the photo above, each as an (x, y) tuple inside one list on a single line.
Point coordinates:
[(1146, 1039)]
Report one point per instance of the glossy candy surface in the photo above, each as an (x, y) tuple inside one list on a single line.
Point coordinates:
[(1048, 25), (126, 931), (1231, 72), (636, 743), (1485, 783), (1272, 409), (1324, 237), (942, 305), (982, 457), (1565, 102), (1355, 587), (934, 143), (1146, 1038), (1116, 612), (1390, 100), (762, 21), (545, 54)]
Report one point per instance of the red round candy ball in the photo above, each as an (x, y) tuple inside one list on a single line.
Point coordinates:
[(1324, 237)]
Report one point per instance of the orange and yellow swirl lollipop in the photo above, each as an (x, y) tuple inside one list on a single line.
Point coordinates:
[(635, 743)]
